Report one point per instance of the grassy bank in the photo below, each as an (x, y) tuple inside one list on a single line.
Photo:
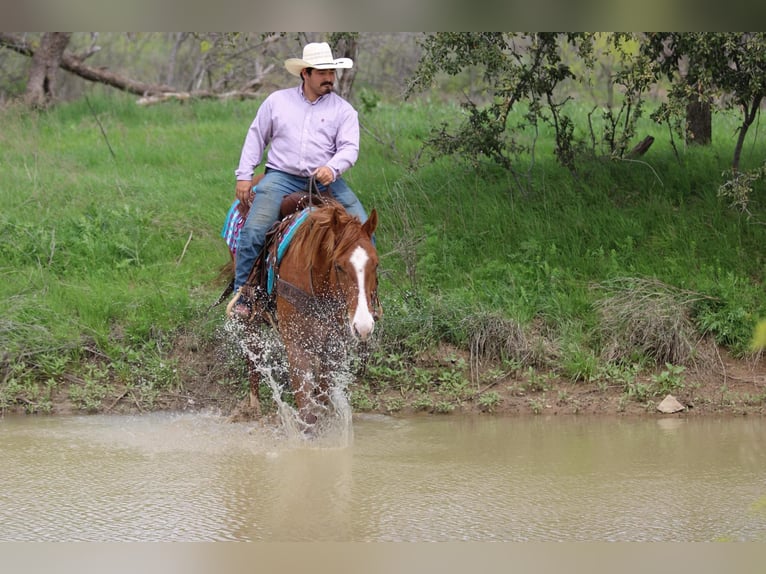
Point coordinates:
[(110, 254)]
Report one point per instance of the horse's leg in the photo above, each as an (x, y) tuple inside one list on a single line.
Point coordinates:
[(301, 381), (254, 376), (253, 352), (247, 411), (324, 379)]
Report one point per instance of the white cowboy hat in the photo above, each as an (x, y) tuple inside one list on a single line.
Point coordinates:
[(316, 55)]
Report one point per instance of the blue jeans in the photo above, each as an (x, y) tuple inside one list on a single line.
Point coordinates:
[(264, 212)]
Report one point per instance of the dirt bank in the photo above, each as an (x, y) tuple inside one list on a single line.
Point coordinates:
[(212, 379), (727, 387)]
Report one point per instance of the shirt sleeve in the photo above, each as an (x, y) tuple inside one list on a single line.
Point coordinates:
[(347, 142), (255, 142)]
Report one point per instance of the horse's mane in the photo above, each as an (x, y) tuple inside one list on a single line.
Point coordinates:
[(328, 230)]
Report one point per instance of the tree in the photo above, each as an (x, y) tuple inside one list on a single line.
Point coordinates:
[(345, 46), (728, 68), (41, 87), (514, 67)]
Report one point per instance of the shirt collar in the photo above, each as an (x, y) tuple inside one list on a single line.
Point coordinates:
[(305, 99)]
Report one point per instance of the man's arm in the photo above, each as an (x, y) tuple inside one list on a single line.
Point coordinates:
[(346, 143), (258, 134)]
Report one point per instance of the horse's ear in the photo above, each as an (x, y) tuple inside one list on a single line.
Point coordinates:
[(371, 223)]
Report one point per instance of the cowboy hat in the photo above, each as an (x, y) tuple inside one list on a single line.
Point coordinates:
[(316, 55)]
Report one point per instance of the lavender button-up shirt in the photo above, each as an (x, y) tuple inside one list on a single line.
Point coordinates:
[(303, 135)]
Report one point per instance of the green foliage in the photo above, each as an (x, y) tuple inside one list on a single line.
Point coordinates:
[(739, 187), (758, 341), (89, 395), (369, 101), (637, 391), (669, 380), (731, 312), (536, 406), (361, 399), (489, 401), (514, 68), (541, 76), (111, 257), (580, 363), (393, 404), (22, 386), (726, 69)]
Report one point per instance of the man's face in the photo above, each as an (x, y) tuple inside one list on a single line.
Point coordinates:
[(320, 82)]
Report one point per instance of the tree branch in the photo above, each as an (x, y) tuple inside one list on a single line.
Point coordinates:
[(150, 93)]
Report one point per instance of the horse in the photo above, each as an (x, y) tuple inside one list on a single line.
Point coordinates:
[(322, 299)]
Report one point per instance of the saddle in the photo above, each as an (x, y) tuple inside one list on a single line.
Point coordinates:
[(257, 288)]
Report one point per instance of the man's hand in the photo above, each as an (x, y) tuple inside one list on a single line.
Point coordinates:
[(244, 192), (324, 175)]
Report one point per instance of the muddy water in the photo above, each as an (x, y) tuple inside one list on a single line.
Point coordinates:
[(184, 477)]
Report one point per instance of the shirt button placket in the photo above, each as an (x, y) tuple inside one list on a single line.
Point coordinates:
[(306, 134)]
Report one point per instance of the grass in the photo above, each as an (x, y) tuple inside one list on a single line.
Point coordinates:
[(110, 246)]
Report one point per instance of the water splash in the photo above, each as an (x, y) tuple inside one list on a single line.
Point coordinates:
[(333, 427)]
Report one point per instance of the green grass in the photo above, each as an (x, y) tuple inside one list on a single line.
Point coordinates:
[(109, 236)]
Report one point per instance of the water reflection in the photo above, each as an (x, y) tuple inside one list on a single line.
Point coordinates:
[(196, 477)]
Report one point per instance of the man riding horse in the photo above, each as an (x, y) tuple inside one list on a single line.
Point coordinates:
[(313, 134)]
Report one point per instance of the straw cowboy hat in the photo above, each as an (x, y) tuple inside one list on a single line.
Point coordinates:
[(316, 55)]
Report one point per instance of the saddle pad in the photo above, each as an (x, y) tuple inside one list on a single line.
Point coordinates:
[(284, 243), (232, 226)]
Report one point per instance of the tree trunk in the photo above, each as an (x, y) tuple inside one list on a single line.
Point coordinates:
[(641, 148), (41, 86), (346, 80), (698, 122), (750, 110)]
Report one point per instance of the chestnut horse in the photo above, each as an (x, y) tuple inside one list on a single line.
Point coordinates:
[(323, 300)]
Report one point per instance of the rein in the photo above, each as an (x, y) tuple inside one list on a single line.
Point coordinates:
[(313, 189)]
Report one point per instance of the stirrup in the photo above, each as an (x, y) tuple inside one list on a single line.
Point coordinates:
[(241, 301)]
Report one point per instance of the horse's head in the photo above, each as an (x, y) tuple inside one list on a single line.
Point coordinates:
[(355, 270)]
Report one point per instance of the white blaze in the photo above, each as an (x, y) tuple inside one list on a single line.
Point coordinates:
[(362, 322)]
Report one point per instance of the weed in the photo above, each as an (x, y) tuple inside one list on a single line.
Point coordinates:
[(89, 395), (620, 375), (622, 403), (393, 404), (361, 400), (421, 380), (389, 367), (669, 380), (536, 405), (423, 403), (495, 338), (444, 407), (754, 400), (580, 364), (537, 382), (489, 401), (645, 317), (452, 383), (637, 391)]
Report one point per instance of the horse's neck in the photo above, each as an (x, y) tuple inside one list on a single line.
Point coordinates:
[(319, 278)]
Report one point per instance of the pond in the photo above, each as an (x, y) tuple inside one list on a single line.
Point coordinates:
[(196, 477)]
